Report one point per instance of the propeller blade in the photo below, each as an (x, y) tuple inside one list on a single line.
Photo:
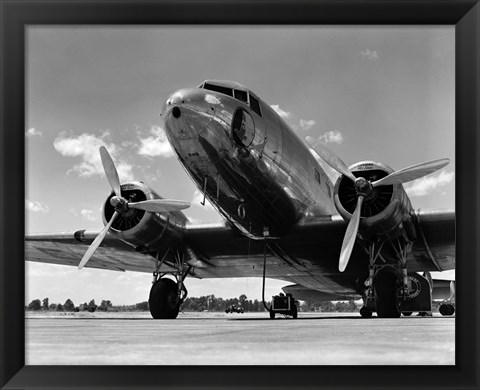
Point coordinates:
[(160, 205), (333, 160), (350, 236), (110, 170), (96, 243), (411, 173)]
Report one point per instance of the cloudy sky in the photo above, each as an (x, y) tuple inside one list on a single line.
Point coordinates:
[(378, 93)]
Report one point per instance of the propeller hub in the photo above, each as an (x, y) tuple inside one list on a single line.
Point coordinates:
[(119, 204), (363, 186)]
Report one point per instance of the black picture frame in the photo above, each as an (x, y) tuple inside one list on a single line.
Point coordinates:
[(16, 15)]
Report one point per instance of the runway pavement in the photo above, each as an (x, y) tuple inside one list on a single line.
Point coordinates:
[(238, 339)]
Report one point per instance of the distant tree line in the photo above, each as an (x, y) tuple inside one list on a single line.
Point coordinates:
[(68, 306), (204, 303), (208, 302)]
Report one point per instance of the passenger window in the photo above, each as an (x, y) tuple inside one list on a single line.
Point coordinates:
[(217, 88), (241, 95), (255, 105)]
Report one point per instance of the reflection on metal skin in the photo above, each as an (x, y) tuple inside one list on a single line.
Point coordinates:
[(252, 156)]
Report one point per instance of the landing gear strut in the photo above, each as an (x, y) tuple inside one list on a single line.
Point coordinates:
[(166, 296), (390, 289), (386, 295), (381, 293)]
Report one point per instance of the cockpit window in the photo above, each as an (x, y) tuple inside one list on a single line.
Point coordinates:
[(217, 88), (255, 105), (240, 95)]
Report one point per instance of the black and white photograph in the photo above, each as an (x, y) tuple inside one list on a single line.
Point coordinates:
[(240, 195)]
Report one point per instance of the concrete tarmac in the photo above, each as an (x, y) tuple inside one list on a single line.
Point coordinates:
[(238, 339)]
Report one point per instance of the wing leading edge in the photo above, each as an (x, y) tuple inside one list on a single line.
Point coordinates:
[(306, 256)]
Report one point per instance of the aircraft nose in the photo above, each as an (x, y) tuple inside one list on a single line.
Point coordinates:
[(176, 112), (187, 112), (172, 104)]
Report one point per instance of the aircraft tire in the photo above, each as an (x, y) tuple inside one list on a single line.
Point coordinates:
[(407, 313), (163, 300), (386, 304), (272, 315), (446, 309), (365, 312)]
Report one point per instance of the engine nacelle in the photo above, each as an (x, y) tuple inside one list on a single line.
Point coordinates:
[(386, 211), (143, 230)]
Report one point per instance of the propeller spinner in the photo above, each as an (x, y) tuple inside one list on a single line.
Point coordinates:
[(364, 188), (122, 205)]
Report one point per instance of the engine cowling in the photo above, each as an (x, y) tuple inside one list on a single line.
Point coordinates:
[(386, 211), (144, 230)]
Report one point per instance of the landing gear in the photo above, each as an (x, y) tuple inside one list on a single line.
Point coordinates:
[(166, 296), (164, 302), (447, 309), (365, 312), (381, 293), (390, 289), (386, 302)]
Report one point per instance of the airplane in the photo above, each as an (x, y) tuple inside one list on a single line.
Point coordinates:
[(284, 218)]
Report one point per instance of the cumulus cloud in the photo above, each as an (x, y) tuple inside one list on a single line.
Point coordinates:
[(88, 215), (155, 144), (371, 55), (426, 185), (86, 146), (36, 206), (334, 137), (32, 132), (306, 124), (283, 114)]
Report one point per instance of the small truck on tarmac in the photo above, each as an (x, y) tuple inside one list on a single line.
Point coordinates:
[(283, 304)]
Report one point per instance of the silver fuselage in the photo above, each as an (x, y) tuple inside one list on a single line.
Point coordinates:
[(249, 163)]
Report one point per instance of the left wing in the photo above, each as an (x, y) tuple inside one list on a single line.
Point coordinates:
[(68, 248)]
